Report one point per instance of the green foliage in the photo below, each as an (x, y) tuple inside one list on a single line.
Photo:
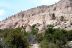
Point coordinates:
[(16, 39), (34, 30), (51, 38), (1, 46), (69, 35), (45, 44), (55, 37), (40, 37)]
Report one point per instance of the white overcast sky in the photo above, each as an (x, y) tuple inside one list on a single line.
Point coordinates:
[(10, 7)]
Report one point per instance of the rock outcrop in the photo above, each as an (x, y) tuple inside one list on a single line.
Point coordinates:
[(59, 15)]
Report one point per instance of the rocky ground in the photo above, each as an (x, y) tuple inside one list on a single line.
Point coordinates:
[(58, 15)]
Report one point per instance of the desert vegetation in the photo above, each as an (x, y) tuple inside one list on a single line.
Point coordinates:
[(51, 38)]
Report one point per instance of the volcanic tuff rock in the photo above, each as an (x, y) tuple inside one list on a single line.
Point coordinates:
[(58, 14)]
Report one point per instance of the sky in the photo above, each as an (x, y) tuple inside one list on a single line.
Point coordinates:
[(11, 7)]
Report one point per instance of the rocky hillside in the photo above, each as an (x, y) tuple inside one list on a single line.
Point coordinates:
[(58, 14)]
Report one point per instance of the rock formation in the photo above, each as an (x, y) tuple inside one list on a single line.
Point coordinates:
[(59, 15)]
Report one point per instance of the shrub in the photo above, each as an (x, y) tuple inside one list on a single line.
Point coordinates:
[(53, 16), (16, 39), (51, 38), (62, 18), (46, 44)]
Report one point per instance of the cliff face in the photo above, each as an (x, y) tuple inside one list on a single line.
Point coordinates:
[(59, 15)]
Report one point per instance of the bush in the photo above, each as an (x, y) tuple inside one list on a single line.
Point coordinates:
[(53, 16), (40, 37), (62, 18), (51, 38), (46, 44), (16, 39), (55, 37)]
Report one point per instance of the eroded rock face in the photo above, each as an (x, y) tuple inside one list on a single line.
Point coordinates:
[(59, 15)]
